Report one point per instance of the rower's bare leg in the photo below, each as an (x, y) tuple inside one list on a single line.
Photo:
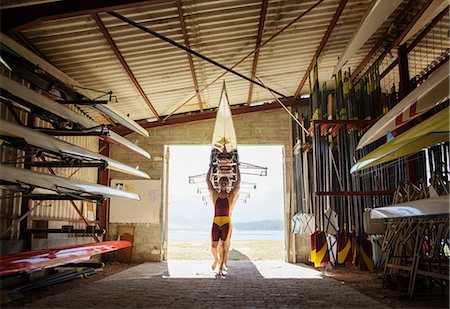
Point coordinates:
[(220, 250), (215, 253), (226, 252), (222, 258)]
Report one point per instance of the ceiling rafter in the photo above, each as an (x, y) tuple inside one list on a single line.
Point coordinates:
[(324, 41), (124, 64), (246, 56), (211, 113), (262, 22), (24, 17), (191, 62), (197, 54)]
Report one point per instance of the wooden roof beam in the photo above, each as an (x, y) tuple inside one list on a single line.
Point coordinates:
[(211, 114), (191, 62), (125, 65), (262, 21), (324, 40)]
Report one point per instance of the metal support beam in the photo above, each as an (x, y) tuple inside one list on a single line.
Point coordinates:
[(262, 21), (246, 56), (367, 58), (403, 71), (354, 193), (89, 231), (419, 38), (324, 41), (103, 179), (210, 114), (75, 207), (26, 202), (19, 220), (172, 42), (191, 62), (82, 102), (59, 164), (124, 64), (96, 131), (14, 114), (66, 197), (404, 89)]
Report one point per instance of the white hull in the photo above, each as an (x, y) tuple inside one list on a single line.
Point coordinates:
[(64, 78), (224, 135), (47, 104), (224, 155), (378, 13), (433, 9), (427, 207), (44, 141), (432, 92), (59, 184)]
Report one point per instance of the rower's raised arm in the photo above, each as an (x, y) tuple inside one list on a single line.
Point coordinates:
[(237, 187), (208, 182), (237, 184)]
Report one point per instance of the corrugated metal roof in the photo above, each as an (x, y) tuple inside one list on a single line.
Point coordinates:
[(223, 30)]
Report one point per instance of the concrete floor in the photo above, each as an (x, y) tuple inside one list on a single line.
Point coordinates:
[(192, 284)]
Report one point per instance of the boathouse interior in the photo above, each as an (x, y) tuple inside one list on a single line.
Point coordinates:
[(356, 93)]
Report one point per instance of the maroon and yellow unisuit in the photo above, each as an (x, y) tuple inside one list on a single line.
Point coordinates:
[(221, 228)]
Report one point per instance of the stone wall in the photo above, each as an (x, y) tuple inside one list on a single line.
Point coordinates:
[(268, 127)]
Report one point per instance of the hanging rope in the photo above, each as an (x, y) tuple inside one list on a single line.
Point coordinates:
[(284, 106)]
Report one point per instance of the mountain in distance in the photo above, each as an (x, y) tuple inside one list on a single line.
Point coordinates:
[(262, 225)]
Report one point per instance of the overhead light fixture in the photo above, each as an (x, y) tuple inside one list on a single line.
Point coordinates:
[(305, 96), (152, 119)]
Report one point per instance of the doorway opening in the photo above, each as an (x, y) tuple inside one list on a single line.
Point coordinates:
[(258, 216)]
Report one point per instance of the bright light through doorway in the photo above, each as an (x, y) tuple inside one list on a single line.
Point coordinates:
[(189, 219)]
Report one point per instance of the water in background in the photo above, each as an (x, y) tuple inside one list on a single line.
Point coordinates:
[(237, 235)]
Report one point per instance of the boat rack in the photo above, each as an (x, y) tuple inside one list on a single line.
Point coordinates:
[(416, 246)]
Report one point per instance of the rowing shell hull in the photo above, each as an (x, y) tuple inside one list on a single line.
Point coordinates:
[(67, 80), (41, 102), (375, 17), (224, 155), (430, 13), (44, 141), (432, 131), (59, 184), (224, 135), (426, 207), (41, 259), (432, 92)]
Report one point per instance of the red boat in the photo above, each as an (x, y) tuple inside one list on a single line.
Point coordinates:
[(31, 261)]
